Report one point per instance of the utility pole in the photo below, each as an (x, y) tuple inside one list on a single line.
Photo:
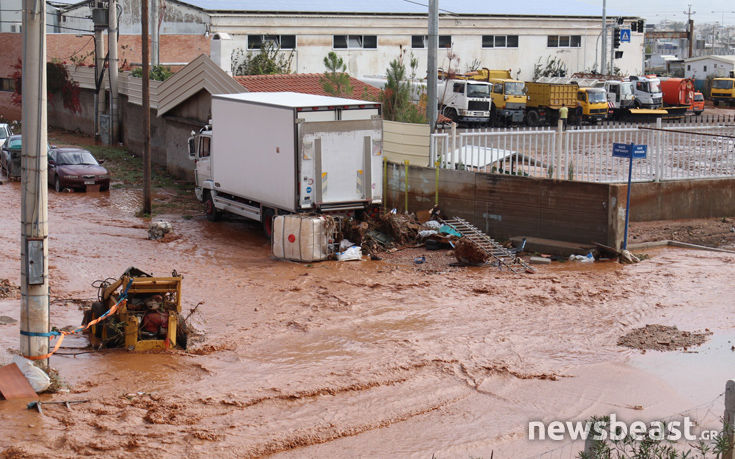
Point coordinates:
[(100, 17), (113, 69), (603, 63), (156, 33), (147, 206), (690, 28), (34, 311), (612, 51), (432, 72)]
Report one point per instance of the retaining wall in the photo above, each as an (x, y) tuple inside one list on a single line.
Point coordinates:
[(505, 206), (701, 198)]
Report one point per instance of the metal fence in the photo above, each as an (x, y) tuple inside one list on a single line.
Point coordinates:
[(682, 150)]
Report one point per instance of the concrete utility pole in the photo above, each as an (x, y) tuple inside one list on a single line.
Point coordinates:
[(432, 72), (603, 63), (155, 35), (113, 64), (690, 28), (34, 312), (99, 52), (147, 205)]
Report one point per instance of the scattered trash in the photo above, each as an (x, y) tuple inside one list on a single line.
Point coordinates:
[(468, 253), (540, 260), (628, 258), (67, 403), (8, 290), (432, 224), (589, 258), (419, 260), (158, 230), (37, 378), (13, 385), (345, 244), (351, 254), (446, 229)]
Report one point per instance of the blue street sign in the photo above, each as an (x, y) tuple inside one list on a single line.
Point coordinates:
[(624, 35), (639, 151)]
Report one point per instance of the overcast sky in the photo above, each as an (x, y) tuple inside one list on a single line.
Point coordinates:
[(657, 10)]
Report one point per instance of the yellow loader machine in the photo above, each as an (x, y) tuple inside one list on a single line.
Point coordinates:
[(148, 320)]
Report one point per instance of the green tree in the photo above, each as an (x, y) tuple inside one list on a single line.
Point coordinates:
[(268, 60), (336, 80), (396, 97)]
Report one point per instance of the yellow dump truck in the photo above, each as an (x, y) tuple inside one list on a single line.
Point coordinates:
[(508, 95), (723, 90), (545, 100)]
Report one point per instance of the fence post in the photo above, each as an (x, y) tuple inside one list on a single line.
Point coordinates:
[(436, 185), (406, 183), (729, 418), (454, 146), (659, 149), (558, 152), (385, 183)]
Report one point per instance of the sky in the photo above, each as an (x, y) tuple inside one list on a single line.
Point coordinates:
[(655, 11)]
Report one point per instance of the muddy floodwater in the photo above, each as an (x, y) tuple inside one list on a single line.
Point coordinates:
[(369, 359)]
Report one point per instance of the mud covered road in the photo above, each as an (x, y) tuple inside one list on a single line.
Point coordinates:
[(368, 359)]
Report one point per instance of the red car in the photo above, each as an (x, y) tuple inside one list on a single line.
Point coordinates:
[(75, 168)]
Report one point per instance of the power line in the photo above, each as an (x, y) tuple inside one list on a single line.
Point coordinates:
[(53, 26), (49, 13)]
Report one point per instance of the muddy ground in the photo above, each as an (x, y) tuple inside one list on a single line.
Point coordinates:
[(373, 359)]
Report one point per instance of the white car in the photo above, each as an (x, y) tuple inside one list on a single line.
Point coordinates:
[(4, 133)]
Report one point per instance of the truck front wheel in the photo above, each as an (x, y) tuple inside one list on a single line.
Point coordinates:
[(532, 118), (209, 208)]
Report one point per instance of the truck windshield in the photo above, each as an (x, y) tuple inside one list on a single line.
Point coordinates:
[(654, 86), (596, 97), (722, 84), (626, 89), (478, 90), (698, 97), (514, 89)]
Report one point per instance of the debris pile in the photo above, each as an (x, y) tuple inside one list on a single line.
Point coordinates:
[(158, 230), (662, 338), (8, 290)]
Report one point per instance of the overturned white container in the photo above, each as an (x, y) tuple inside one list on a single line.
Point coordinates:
[(301, 237)]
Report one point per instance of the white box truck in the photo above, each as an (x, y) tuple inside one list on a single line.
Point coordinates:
[(270, 153)]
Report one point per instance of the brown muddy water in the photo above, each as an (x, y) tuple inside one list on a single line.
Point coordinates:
[(367, 359)]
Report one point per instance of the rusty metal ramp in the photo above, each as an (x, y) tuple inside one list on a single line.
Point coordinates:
[(489, 246)]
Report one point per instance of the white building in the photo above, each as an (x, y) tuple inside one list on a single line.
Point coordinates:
[(701, 67), (368, 35)]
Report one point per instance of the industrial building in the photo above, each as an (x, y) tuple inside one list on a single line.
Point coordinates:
[(368, 35)]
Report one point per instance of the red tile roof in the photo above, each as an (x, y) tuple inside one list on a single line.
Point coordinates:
[(70, 48), (307, 83)]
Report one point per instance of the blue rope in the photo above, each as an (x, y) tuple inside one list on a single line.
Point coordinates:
[(123, 296)]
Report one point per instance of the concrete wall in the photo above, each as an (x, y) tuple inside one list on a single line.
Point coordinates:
[(314, 40), (8, 110), (406, 142), (505, 206), (61, 117), (682, 199)]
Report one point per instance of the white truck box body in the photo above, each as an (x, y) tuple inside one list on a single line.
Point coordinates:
[(295, 151)]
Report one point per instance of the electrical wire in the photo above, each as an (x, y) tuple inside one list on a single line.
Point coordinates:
[(50, 13)]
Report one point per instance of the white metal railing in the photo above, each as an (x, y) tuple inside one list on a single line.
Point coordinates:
[(682, 150)]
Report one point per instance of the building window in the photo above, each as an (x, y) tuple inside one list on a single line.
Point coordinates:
[(355, 41), (278, 41), (705, 68), (564, 41), (500, 41), (7, 84), (422, 41), (689, 67)]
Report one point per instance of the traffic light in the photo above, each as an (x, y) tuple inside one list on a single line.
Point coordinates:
[(641, 26), (618, 54), (634, 26), (616, 37)]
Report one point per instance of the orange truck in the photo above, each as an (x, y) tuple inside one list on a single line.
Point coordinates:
[(678, 95)]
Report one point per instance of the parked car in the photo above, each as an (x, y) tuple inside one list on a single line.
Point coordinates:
[(5, 132), (75, 168), (10, 157), (698, 103)]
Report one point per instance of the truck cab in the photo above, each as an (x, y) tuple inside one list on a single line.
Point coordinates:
[(465, 101), (723, 90), (647, 91), (509, 100), (200, 149), (619, 93), (592, 104)]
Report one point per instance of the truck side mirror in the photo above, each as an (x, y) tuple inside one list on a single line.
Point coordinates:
[(192, 148)]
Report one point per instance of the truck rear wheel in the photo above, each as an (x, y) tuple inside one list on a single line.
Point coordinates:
[(209, 208), (267, 219)]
